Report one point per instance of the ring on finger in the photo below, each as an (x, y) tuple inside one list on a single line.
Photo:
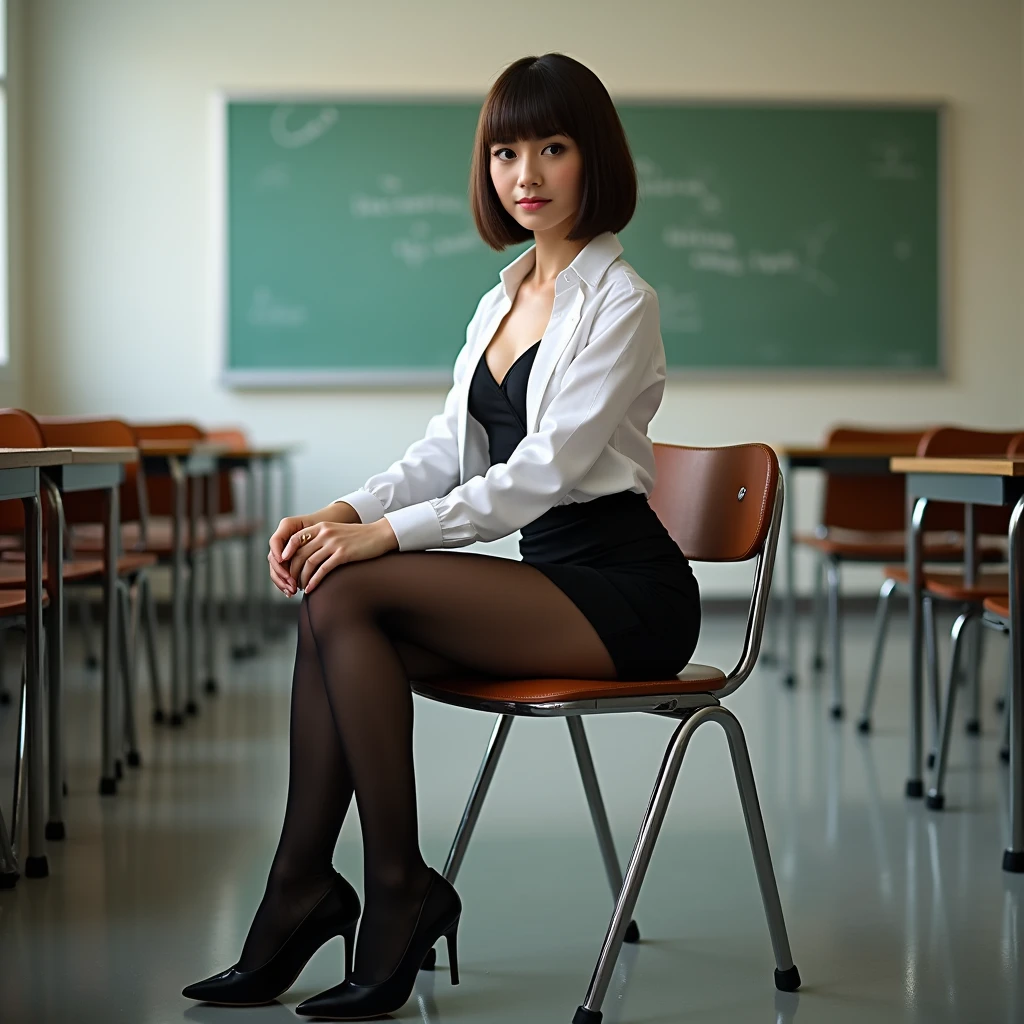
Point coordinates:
[(306, 538)]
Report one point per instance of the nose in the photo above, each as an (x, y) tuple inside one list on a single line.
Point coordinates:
[(529, 173)]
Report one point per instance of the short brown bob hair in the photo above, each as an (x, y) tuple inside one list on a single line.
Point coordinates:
[(554, 95)]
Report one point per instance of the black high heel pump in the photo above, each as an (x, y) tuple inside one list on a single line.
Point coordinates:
[(335, 913), (439, 915)]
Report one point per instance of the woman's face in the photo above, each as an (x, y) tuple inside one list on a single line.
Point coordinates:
[(548, 169)]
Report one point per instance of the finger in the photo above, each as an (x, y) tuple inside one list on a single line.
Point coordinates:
[(315, 560), (280, 536), (282, 581), (333, 562), (278, 571), (298, 540)]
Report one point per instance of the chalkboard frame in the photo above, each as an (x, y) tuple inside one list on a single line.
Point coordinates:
[(331, 378)]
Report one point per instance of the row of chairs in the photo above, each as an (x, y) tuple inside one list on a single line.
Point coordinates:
[(864, 521)]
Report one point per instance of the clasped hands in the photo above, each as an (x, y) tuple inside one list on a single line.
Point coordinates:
[(304, 549)]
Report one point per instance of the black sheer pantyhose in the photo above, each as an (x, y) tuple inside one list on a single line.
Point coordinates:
[(365, 631)]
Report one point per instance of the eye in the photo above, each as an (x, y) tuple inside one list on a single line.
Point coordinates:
[(504, 149), (556, 145), (498, 152)]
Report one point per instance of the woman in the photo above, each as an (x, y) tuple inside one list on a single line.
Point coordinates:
[(544, 436)]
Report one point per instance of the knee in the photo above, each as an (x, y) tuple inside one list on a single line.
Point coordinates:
[(341, 596)]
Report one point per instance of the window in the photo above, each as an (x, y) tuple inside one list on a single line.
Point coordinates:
[(4, 313)]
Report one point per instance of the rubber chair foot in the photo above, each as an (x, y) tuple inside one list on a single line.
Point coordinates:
[(92, 661), (585, 1016), (787, 981), (972, 727), (836, 711), (8, 879), (632, 933), (930, 760), (935, 802), (915, 789), (108, 787), (430, 960), (177, 720), (119, 769), (191, 708), (864, 726), (1004, 755), (1013, 860), (55, 831), (159, 717), (36, 867), (134, 759), (210, 686)]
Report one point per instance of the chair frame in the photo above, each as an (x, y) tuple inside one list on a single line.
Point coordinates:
[(692, 710)]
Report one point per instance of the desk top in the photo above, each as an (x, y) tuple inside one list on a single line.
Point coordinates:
[(27, 458), (975, 465), (170, 449), (857, 451), (101, 456)]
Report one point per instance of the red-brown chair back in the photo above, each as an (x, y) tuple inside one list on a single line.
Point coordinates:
[(18, 429), (235, 439), (716, 503)]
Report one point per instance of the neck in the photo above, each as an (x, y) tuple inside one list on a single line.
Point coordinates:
[(554, 253)]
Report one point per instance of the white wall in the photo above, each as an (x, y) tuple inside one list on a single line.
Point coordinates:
[(121, 162)]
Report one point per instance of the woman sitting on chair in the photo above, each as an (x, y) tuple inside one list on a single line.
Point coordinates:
[(545, 436)]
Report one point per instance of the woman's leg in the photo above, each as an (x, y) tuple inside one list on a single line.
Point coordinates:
[(492, 615)]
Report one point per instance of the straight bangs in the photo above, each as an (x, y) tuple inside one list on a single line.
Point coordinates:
[(525, 107)]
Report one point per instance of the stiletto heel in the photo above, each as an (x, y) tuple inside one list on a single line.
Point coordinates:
[(335, 913), (439, 915), (350, 943), (453, 956)]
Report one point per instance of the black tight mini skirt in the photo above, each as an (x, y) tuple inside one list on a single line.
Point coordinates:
[(617, 563)]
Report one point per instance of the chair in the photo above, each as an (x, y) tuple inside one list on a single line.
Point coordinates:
[(863, 520), (948, 585), (719, 505)]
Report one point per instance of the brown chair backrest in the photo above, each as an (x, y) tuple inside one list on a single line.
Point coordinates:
[(89, 432), (954, 441), (18, 429), (867, 502), (1016, 446), (716, 503), (235, 439), (160, 489)]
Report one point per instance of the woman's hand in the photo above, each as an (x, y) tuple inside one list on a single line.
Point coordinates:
[(336, 512), (314, 551)]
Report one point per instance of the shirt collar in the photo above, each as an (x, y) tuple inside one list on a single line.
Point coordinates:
[(589, 265)]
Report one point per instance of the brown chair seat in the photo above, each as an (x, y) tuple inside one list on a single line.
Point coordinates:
[(14, 602), (127, 565), (12, 572), (951, 585), (231, 527), (871, 546), (998, 606), (693, 679), (159, 538)]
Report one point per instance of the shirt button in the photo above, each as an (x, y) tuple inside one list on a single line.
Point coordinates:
[(567, 277)]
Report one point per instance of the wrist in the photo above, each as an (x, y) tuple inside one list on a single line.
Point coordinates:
[(387, 534)]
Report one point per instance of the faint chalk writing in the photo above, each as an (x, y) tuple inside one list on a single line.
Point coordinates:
[(293, 137)]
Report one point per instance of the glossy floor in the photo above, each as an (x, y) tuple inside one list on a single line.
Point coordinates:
[(894, 913)]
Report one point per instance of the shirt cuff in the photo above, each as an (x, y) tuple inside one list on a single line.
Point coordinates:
[(416, 527), (368, 506)]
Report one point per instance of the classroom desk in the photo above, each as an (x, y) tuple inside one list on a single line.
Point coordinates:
[(859, 460), (182, 461), (19, 478), (258, 506), (90, 469), (974, 481)]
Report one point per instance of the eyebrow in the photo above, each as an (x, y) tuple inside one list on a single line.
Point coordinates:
[(557, 135)]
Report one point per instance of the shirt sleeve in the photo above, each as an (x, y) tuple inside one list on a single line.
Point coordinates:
[(429, 467), (599, 386)]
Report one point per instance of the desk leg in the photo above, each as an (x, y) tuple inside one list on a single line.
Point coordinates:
[(267, 511), (251, 553), (915, 783), (35, 863), (111, 548), (789, 510), (212, 499), (177, 591), (194, 485), (1013, 858), (55, 658)]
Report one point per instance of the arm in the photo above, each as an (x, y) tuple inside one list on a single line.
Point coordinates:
[(600, 385)]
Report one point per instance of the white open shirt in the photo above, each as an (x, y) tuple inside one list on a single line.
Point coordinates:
[(597, 379)]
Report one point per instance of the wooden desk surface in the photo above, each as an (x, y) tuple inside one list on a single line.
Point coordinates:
[(976, 465), (98, 456), (181, 448), (26, 458)]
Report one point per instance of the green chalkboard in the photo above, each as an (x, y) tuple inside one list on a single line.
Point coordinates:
[(796, 238)]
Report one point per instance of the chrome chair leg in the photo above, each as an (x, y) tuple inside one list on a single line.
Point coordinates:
[(972, 726), (881, 629), (1004, 747), (786, 976), (931, 655), (126, 654), (147, 615), (598, 814), (5, 694), (20, 756), (835, 638), (818, 607), (88, 637), (936, 798), (9, 871)]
